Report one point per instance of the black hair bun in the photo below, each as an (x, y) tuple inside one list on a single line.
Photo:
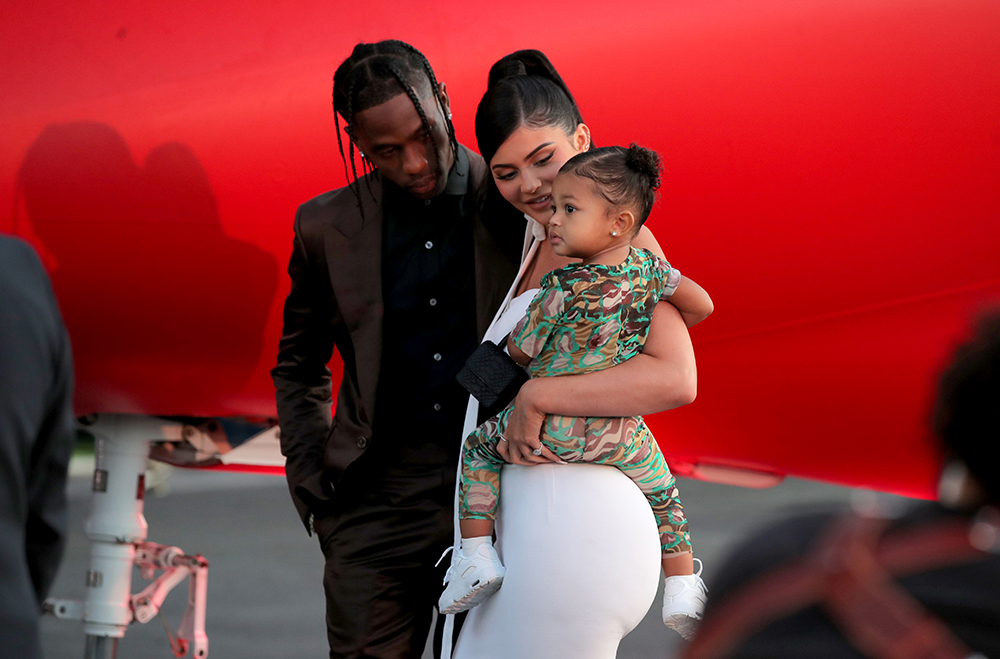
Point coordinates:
[(646, 162), (524, 63), (507, 67)]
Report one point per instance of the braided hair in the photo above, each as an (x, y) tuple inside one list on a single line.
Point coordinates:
[(626, 178), (374, 74)]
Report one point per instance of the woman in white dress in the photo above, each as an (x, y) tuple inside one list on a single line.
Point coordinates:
[(579, 543)]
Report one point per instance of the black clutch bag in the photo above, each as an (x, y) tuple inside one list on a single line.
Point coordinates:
[(491, 376)]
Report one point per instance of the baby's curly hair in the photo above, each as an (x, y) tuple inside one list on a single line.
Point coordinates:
[(627, 178)]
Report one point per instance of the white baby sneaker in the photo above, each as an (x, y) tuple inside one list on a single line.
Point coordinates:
[(684, 601), (471, 579)]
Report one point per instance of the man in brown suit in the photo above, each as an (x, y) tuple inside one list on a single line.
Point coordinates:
[(400, 272)]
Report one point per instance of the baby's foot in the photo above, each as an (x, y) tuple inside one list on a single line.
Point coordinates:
[(471, 579), (684, 601)]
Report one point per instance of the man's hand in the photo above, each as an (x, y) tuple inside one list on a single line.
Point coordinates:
[(524, 428)]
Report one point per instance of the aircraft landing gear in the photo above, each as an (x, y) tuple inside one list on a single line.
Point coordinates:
[(117, 531)]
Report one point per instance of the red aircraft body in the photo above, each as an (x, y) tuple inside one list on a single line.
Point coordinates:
[(832, 178)]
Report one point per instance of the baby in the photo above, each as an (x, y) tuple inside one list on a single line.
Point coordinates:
[(586, 317)]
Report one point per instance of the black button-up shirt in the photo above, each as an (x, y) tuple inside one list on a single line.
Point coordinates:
[(429, 323)]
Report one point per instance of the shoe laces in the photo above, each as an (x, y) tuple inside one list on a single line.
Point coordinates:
[(701, 566), (447, 575), (687, 585)]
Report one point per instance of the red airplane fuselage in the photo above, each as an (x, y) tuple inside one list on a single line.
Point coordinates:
[(832, 178)]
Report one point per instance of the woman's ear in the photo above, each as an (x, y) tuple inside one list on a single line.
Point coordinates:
[(623, 224), (581, 138)]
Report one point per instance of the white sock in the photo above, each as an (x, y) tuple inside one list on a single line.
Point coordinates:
[(469, 545)]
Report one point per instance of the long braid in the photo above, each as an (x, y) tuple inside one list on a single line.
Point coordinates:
[(368, 168), (354, 185), (340, 146), (435, 87), (452, 139)]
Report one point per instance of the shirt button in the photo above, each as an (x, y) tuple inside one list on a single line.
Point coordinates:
[(437, 356), (362, 442), (428, 245), (433, 302), (437, 407)]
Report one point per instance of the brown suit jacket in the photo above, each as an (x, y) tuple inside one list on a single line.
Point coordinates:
[(336, 299)]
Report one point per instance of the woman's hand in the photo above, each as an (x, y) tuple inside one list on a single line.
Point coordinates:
[(524, 429), (663, 376)]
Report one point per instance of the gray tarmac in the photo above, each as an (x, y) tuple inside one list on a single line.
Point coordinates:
[(265, 595)]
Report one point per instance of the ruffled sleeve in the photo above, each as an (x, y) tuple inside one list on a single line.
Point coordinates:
[(671, 277)]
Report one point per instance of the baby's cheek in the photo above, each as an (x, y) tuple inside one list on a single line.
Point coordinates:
[(541, 218)]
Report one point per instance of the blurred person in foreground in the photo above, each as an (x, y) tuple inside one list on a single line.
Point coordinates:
[(923, 584), (36, 439)]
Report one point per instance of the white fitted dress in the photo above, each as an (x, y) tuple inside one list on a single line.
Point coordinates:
[(579, 542)]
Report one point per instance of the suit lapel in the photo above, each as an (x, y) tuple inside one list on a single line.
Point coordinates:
[(354, 258)]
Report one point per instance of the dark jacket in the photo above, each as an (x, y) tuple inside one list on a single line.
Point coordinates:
[(336, 299), (36, 439)]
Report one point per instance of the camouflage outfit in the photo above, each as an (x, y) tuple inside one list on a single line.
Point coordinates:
[(587, 318)]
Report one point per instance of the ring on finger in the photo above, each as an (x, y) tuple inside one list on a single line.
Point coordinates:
[(537, 451)]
